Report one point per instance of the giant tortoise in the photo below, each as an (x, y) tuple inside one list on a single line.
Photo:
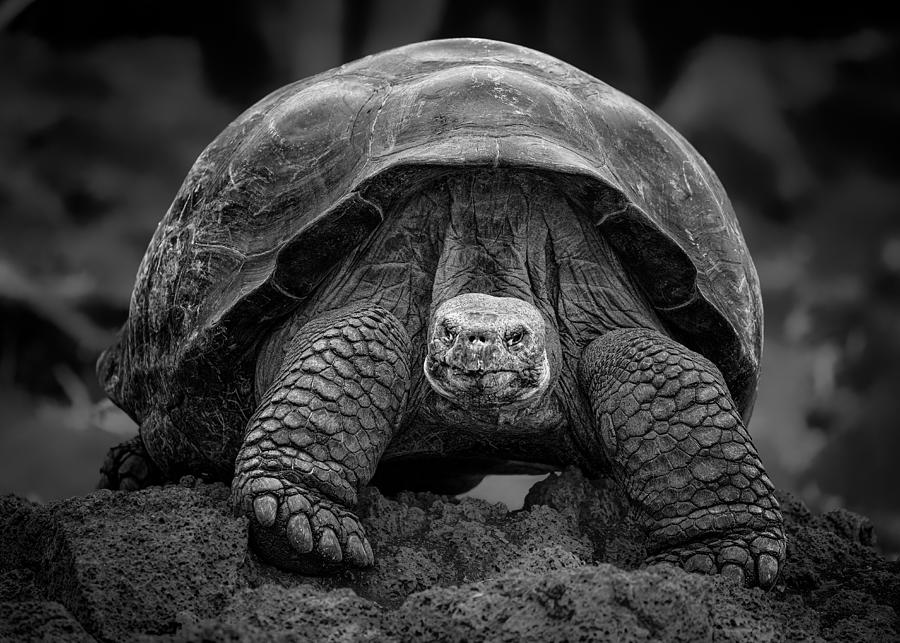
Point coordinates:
[(440, 261)]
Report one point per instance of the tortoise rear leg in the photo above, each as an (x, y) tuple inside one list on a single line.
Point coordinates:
[(317, 436), (667, 425), (129, 467)]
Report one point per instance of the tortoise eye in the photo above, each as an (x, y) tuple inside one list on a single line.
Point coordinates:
[(446, 333), (515, 336)]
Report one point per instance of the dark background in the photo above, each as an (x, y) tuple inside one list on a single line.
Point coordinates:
[(104, 106)]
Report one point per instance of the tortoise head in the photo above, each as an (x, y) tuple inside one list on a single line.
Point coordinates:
[(490, 352)]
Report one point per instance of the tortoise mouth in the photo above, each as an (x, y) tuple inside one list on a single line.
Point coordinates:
[(504, 388), (488, 382)]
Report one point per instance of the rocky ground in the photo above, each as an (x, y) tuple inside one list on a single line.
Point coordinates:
[(171, 564)]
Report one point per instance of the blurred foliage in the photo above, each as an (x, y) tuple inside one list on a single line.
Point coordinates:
[(105, 105)]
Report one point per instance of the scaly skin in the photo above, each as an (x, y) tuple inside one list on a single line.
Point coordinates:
[(129, 467), (502, 281), (317, 437), (666, 424)]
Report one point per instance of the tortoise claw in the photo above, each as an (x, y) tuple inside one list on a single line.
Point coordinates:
[(750, 559), (734, 573), (356, 552), (265, 508), (298, 528), (329, 546), (701, 563), (299, 534), (767, 569)]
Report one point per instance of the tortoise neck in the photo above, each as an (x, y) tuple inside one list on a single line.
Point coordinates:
[(495, 234)]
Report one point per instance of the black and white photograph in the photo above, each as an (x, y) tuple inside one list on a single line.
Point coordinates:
[(449, 320)]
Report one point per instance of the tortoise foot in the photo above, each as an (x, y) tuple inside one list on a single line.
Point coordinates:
[(682, 455), (128, 467), (299, 529), (752, 559)]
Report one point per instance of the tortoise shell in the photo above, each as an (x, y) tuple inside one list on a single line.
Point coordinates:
[(303, 176)]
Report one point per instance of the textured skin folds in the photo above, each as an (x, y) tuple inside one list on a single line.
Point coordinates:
[(310, 308), (317, 436), (666, 425)]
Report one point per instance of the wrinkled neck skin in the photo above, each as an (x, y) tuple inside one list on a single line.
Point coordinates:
[(496, 244), (470, 231), (487, 246), (501, 233)]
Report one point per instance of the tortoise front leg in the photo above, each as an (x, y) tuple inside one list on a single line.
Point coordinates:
[(666, 423), (317, 437)]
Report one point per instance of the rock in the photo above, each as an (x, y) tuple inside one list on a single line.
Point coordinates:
[(275, 613), (39, 621), (126, 564), (171, 563)]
